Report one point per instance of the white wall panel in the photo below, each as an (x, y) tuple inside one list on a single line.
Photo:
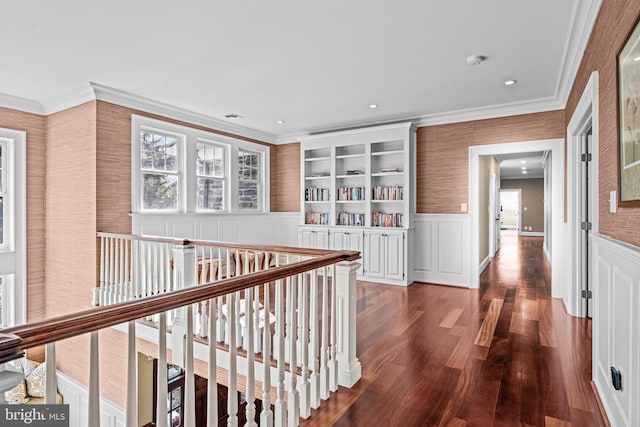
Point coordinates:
[(267, 228), (441, 249), (616, 326), (76, 396)]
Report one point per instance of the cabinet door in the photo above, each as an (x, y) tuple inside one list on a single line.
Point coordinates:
[(339, 240), (322, 239), (394, 260), (356, 243), (374, 254), (307, 238)]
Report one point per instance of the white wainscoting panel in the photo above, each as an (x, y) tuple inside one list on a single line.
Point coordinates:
[(616, 328), (76, 396), (260, 229), (441, 249)]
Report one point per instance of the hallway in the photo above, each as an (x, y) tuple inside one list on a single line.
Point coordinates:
[(504, 355)]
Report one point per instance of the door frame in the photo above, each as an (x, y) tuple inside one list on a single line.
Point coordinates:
[(585, 115), (494, 202), (556, 147)]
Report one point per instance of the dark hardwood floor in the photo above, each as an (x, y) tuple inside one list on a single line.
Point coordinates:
[(506, 354)]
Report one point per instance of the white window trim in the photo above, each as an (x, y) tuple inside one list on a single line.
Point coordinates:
[(188, 198), (260, 179), (15, 287)]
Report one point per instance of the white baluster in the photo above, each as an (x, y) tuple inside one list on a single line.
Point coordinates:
[(232, 396), (333, 365), (314, 379), (111, 271), (51, 388), (132, 378), (102, 267), (116, 269), (251, 383), (281, 404), (212, 384), (162, 385), (305, 386), (94, 382), (127, 271), (324, 344), (266, 416), (189, 374), (293, 402)]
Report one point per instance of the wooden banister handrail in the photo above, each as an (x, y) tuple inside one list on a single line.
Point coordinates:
[(74, 324), (219, 244)]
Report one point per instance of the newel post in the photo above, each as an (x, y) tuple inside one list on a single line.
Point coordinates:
[(349, 369), (184, 274)]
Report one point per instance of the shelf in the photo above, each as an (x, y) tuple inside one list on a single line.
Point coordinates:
[(387, 153), (317, 159), (387, 201), (350, 201), (351, 176), (387, 173), (350, 156), (317, 177), (314, 202)]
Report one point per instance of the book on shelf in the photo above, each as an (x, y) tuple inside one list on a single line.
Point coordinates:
[(319, 174), (381, 192), (350, 193), (316, 218), (390, 170), (381, 219), (314, 194), (355, 172), (353, 219)]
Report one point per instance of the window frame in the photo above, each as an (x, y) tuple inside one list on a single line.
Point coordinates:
[(188, 198), (225, 176), (260, 186)]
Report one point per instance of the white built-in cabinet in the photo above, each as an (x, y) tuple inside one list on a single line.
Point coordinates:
[(358, 193)]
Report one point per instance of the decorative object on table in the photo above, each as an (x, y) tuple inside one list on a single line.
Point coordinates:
[(629, 119)]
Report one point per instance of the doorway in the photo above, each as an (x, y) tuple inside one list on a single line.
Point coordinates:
[(556, 161), (510, 218), (582, 199)]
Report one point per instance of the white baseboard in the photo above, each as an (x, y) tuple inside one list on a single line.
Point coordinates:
[(76, 396), (484, 264), (531, 233)]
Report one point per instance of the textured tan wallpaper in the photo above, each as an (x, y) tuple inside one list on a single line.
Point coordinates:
[(615, 20), (442, 176)]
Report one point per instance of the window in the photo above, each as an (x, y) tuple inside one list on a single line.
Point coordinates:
[(249, 171), (160, 171), (3, 194), (210, 172), (178, 169)]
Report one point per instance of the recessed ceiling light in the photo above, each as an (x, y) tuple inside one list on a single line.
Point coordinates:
[(280, 122), (475, 59), (636, 59), (524, 172), (373, 106), (510, 82), (523, 162), (524, 168), (233, 116)]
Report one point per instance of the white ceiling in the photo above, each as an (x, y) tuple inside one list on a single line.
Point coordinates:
[(513, 166), (315, 65)]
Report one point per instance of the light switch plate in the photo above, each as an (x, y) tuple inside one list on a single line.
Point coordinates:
[(613, 201)]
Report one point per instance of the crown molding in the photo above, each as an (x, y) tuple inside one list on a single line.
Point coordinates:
[(68, 100), (582, 23), (20, 104), (137, 102)]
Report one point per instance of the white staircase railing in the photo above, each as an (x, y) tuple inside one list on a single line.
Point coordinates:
[(271, 317)]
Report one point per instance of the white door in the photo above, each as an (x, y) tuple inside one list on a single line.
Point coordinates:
[(394, 255), (374, 250), (494, 214)]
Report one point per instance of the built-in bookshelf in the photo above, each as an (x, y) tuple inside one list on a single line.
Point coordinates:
[(359, 178)]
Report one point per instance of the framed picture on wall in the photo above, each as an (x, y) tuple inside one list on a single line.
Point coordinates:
[(629, 119)]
